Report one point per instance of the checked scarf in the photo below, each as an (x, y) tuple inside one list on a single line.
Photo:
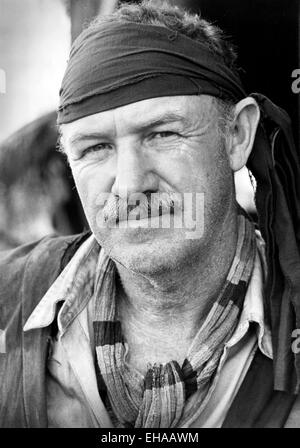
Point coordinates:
[(168, 396)]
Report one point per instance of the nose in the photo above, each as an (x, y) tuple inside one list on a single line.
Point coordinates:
[(134, 172)]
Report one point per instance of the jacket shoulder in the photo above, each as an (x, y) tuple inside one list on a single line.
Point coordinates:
[(33, 267)]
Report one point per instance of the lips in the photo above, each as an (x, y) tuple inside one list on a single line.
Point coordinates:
[(150, 206)]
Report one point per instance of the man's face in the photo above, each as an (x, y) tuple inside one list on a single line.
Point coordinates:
[(169, 145)]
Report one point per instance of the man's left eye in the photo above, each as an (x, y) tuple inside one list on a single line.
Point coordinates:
[(164, 134)]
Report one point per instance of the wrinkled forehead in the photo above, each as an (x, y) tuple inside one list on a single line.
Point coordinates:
[(184, 110)]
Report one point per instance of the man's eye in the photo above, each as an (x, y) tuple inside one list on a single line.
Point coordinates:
[(100, 147), (164, 134)]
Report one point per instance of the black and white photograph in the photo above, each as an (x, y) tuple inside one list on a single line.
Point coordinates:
[(149, 217)]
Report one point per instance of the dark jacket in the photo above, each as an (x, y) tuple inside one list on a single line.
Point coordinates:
[(26, 274)]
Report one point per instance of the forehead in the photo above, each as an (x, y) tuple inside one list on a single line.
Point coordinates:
[(187, 109)]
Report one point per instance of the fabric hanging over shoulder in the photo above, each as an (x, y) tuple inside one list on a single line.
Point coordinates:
[(274, 163)]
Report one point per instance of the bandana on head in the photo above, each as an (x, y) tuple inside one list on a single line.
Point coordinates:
[(127, 62), (120, 63)]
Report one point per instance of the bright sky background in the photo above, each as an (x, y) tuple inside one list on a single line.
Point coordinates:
[(34, 47)]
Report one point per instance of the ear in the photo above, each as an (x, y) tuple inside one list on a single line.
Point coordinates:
[(243, 130)]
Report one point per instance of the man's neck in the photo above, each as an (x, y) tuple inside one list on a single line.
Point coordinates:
[(161, 314)]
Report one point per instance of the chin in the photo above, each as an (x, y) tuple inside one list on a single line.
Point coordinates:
[(149, 251)]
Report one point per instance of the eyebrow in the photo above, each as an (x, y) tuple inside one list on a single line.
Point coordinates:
[(167, 118), (87, 136)]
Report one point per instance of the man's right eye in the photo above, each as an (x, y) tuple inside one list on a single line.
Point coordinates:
[(100, 148)]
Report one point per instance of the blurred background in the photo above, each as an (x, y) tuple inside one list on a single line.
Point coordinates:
[(37, 195)]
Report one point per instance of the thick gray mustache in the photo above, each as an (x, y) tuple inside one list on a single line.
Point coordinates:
[(148, 205)]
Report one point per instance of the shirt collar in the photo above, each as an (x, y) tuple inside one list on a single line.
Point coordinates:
[(75, 284), (253, 309)]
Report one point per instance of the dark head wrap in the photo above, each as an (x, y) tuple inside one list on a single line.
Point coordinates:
[(122, 63), (274, 163)]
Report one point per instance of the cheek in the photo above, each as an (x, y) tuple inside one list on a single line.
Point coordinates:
[(91, 182), (200, 168)]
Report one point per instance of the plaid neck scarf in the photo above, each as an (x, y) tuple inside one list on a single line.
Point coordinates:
[(168, 396)]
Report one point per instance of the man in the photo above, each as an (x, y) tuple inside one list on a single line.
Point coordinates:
[(173, 312)]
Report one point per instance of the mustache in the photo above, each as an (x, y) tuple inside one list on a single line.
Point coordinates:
[(140, 205)]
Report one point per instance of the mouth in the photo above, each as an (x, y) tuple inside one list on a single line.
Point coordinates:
[(158, 221), (141, 212), (138, 218), (162, 211)]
